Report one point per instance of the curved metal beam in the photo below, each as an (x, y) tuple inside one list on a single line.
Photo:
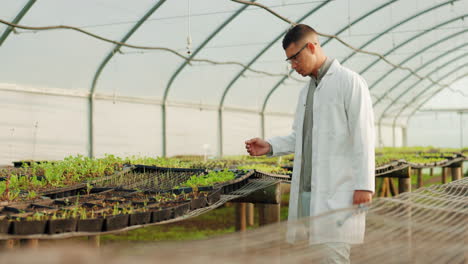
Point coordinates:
[(181, 67), (411, 39), (399, 24), (412, 86), (422, 91), (425, 90), (103, 64), (17, 19), (267, 98), (231, 83), (434, 94), (411, 57), (382, 116)]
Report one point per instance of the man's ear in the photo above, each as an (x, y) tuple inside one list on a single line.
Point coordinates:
[(311, 47)]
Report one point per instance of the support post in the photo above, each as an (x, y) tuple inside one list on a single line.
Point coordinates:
[(404, 131), (7, 244), (456, 173), (420, 179), (241, 223), (94, 241), (268, 213), (444, 175), (404, 183), (431, 172), (250, 214), (30, 243)]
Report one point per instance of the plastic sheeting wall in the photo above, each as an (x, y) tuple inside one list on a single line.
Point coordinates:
[(39, 127)]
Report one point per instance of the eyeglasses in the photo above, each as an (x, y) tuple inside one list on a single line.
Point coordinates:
[(293, 58)]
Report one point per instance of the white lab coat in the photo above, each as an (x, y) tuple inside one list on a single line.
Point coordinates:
[(343, 158)]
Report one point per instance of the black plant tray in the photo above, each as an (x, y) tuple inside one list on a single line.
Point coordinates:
[(90, 225), (19, 164), (140, 218), (198, 203), (233, 185), (161, 215), (145, 168), (214, 196), (61, 226), (77, 189), (28, 227), (180, 210), (116, 222), (4, 226)]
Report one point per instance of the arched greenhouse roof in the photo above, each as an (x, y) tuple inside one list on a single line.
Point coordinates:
[(91, 73)]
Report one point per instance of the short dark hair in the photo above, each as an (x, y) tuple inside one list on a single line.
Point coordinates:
[(297, 33)]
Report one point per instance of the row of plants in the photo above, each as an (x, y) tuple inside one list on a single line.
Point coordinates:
[(34, 178), (104, 211)]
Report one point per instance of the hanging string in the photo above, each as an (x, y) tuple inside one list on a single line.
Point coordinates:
[(189, 36)]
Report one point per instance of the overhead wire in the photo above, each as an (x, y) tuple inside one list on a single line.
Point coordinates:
[(382, 57), (268, 9)]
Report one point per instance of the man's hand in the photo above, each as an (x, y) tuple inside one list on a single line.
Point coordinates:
[(257, 147), (361, 196)]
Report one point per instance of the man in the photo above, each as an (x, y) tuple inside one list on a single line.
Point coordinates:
[(333, 141)]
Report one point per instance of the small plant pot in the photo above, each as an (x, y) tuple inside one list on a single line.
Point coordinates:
[(4, 226), (180, 210), (161, 215), (213, 197), (198, 203), (140, 218), (28, 227), (90, 225), (61, 226), (115, 222)]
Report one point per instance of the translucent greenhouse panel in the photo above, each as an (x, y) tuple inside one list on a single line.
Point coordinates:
[(237, 128), (447, 133), (168, 27), (41, 127), (191, 131), (135, 74), (65, 58), (284, 99), (278, 125), (126, 129)]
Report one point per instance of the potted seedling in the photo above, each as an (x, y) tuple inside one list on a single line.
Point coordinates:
[(116, 220), (29, 225)]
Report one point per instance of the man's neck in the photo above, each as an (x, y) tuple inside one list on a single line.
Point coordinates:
[(320, 64)]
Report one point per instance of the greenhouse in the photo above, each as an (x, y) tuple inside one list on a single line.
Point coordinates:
[(128, 125)]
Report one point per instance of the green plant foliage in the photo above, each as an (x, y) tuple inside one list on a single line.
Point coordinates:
[(264, 168), (209, 179)]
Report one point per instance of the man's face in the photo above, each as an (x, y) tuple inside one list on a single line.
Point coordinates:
[(301, 57)]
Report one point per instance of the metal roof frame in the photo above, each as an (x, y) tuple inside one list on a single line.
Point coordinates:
[(267, 98), (16, 20), (411, 57), (231, 83), (413, 85), (182, 66), (101, 68), (399, 24)]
